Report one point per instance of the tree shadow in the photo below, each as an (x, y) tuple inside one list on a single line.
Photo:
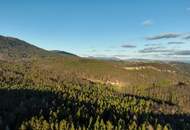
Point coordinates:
[(18, 105), (159, 101)]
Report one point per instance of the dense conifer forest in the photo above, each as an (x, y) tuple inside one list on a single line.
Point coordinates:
[(29, 101)]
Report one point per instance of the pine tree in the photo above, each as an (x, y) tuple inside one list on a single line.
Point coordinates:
[(158, 127), (102, 125), (63, 125), (109, 125), (96, 125), (133, 126), (23, 127), (72, 127)]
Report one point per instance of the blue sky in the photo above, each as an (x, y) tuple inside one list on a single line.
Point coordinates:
[(155, 29)]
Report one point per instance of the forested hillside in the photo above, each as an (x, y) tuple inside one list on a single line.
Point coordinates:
[(45, 90)]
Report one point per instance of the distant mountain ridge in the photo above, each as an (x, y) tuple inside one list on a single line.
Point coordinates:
[(105, 58), (63, 53)]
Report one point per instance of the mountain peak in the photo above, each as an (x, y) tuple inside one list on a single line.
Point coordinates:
[(13, 48)]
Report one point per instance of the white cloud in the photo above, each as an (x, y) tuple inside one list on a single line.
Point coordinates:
[(147, 23)]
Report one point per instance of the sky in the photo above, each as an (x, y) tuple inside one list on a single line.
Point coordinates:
[(148, 29)]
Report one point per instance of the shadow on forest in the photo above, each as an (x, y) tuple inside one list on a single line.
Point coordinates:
[(150, 98), (18, 105)]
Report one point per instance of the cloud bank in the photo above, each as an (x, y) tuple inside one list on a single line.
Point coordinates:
[(164, 51), (187, 37), (176, 42), (163, 36), (182, 53), (128, 46), (154, 50)]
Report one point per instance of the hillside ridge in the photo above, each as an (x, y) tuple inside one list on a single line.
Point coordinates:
[(14, 48)]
